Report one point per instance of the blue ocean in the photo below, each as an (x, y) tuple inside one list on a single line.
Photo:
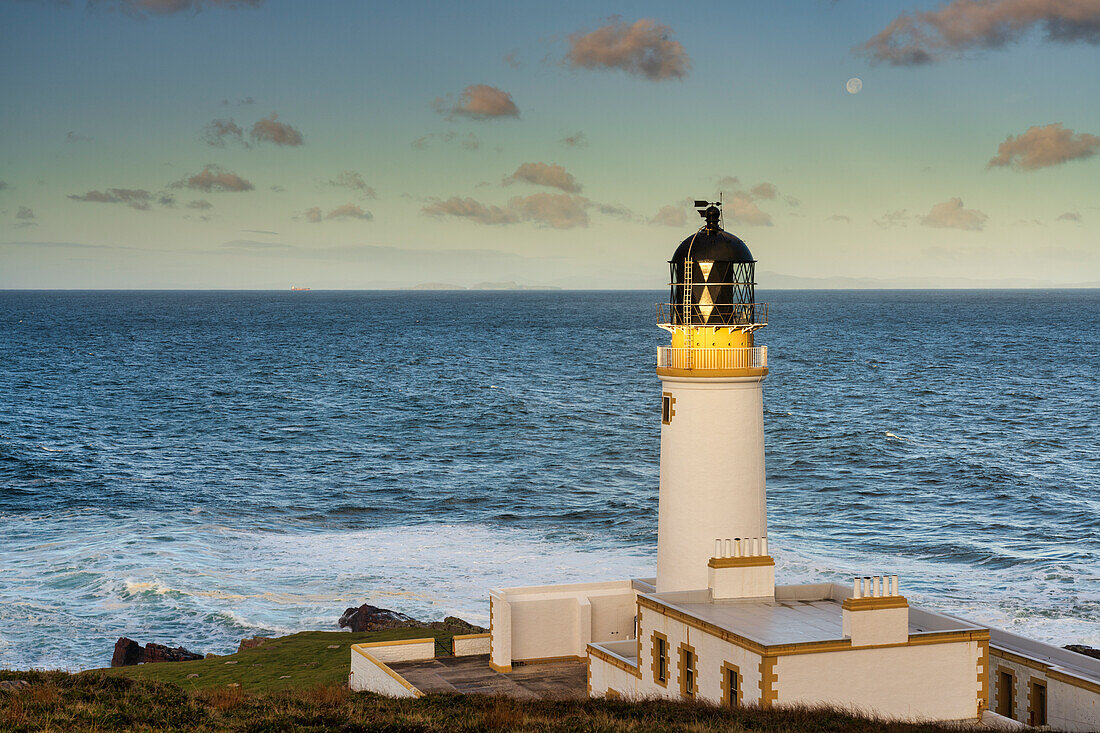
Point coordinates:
[(192, 468)]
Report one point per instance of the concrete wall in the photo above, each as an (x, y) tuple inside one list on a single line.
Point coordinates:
[(467, 645), (1070, 707), (542, 622), (402, 650), (711, 652), (925, 682), (370, 674), (712, 475)]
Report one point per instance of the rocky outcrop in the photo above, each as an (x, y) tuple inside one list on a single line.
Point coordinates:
[(1088, 651), (128, 652), (13, 685), (162, 653), (373, 618), (252, 643)]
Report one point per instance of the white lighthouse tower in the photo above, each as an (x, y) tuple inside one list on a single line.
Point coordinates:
[(712, 502)]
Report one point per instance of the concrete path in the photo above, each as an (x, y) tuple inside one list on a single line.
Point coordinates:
[(472, 675)]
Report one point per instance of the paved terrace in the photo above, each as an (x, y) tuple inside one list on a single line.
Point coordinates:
[(472, 675)]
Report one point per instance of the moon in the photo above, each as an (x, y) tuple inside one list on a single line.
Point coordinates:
[(854, 85)]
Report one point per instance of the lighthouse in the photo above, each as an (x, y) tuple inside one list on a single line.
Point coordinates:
[(712, 502)]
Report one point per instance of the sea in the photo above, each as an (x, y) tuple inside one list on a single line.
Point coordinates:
[(193, 468)]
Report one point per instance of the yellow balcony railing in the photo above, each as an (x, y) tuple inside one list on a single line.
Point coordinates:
[(754, 357)]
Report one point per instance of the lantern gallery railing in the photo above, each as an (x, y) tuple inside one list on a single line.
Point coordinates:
[(750, 315), (755, 357)]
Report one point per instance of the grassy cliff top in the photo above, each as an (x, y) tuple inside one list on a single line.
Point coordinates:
[(299, 660)]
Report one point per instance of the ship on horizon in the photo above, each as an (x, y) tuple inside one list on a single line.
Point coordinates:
[(297, 288)]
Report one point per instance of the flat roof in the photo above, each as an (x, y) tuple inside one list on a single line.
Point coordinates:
[(803, 613)]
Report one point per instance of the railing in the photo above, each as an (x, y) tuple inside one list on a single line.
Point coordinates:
[(725, 314), (754, 357)]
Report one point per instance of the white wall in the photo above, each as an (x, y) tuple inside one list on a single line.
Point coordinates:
[(403, 650), (712, 475), (370, 674), (711, 651), (1069, 707), (467, 645), (540, 622), (925, 682)]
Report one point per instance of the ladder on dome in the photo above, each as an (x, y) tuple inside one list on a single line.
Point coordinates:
[(685, 316)]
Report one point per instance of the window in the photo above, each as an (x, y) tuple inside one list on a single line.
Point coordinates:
[(1037, 703), (689, 684), (1006, 705), (731, 685), (668, 408), (660, 659)]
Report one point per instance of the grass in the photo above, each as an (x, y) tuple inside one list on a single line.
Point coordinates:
[(95, 701), (299, 660)]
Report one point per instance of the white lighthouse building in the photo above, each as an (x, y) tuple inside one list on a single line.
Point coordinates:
[(713, 625)]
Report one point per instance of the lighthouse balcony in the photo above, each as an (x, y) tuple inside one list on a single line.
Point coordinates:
[(748, 361)]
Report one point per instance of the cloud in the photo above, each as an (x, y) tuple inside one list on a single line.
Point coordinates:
[(1070, 216), (217, 131), (239, 102), (670, 216), (269, 129), (512, 59), (214, 178), (841, 218), (344, 211), (354, 181), (3, 185), (961, 25), (479, 102), (135, 198), (951, 215), (349, 211), (74, 137), (541, 174), (25, 217), (556, 210), (169, 7), (1040, 147), (764, 191), (200, 204), (643, 48), (728, 182), (741, 208), (468, 208), (469, 141), (891, 219), (576, 140)]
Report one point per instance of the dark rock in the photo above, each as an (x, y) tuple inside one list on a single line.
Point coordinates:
[(252, 643), (13, 685), (127, 652), (1088, 651), (373, 618), (162, 653)]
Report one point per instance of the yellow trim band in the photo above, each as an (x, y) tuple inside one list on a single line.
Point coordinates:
[(754, 561), (874, 603)]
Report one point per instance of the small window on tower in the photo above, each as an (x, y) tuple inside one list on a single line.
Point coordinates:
[(668, 408)]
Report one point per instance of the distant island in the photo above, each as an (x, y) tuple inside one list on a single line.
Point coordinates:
[(505, 285)]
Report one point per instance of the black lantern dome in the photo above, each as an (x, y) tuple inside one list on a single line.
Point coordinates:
[(715, 271)]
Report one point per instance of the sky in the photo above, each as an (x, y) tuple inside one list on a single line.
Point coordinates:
[(348, 144)]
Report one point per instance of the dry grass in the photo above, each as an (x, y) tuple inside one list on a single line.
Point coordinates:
[(86, 702)]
